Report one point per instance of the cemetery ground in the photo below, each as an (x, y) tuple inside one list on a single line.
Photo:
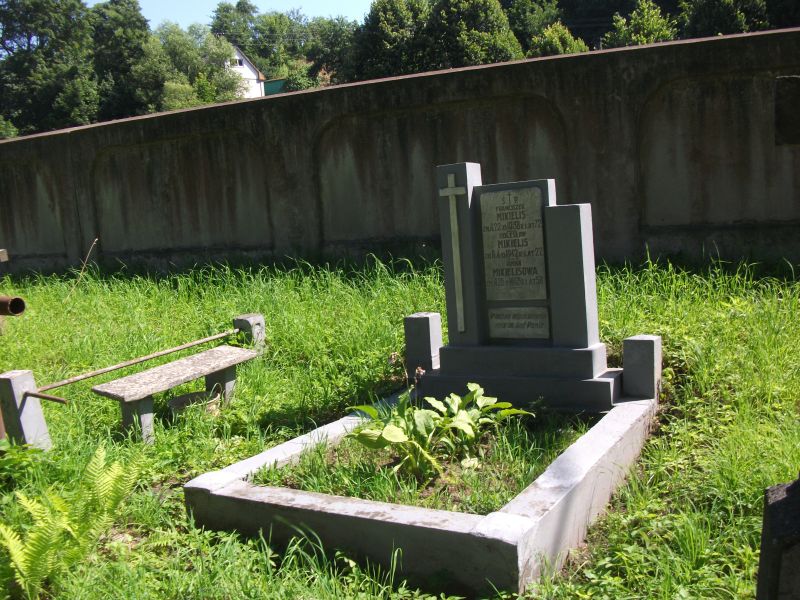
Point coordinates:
[(686, 524)]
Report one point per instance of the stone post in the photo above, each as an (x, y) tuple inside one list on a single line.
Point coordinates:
[(779, 565), (641, 375), (423, 332), (252, 325), (22, 415)]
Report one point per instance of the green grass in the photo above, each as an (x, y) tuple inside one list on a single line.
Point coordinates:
[(512, 458), (686, 525)]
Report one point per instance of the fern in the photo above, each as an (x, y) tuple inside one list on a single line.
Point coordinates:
[(65, 529)]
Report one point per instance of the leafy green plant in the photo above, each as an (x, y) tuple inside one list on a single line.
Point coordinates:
[(418, 434), (410, 431), (463, 420), (65, 529)]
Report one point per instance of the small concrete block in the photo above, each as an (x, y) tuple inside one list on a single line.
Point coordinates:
[(423, 332), (23, 418), (641, 376), (252, 325), (222, 382)]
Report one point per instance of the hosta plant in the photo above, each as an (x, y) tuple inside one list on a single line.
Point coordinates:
[(463, 420), (410, 431), (452, 427)]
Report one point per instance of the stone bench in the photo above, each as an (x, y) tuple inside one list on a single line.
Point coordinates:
[(135, 392), (22, 419)]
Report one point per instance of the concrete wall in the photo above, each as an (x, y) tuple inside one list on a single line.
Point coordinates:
[(687, 147)]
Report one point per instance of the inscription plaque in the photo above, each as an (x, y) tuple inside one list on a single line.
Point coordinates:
[(513, 244), (519, 322)]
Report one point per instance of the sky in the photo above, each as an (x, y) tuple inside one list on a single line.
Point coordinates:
[(186, 12)]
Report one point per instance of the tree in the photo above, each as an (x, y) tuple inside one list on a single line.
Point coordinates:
[(7, 129), (46, 75), (714, 17), (330, 47), (389, 42), (646, 26), (468, 32), (151, 74), (590, 19), (235, 22), (120, 34), (216, 54), (783, 13), (299, 77), (278, 40), (198, 67), (528, 18), (556, 39)]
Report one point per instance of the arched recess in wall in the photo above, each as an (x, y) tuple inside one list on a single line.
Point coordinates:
[(376, 171), (200, 191), (30, 221), (709, 158)]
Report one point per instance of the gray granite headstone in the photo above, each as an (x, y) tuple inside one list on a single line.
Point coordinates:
[(520, 293)]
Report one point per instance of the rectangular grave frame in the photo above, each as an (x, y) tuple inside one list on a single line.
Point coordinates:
[(455, 552)]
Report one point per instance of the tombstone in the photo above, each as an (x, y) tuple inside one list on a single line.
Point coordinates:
[(521, 300), (779, 563)]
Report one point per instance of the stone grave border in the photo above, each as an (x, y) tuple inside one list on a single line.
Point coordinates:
[(461, 552)]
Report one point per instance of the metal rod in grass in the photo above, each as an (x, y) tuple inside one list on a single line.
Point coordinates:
[(83, 267)]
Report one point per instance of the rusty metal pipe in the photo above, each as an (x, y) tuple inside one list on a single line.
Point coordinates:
[(46, 397), (134, 361), (11, 306)]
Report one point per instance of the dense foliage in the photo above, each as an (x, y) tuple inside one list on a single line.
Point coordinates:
[(63, 64), (646, 25)]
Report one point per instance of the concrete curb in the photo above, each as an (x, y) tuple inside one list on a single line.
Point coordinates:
[(456, 552)]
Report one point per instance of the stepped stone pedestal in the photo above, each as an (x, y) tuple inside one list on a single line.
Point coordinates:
[(521, 298)]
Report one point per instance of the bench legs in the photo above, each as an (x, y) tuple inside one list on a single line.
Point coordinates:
[(222, 382), (144, 410)]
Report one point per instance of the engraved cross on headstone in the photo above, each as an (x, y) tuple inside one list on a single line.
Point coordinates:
[(451, 192)]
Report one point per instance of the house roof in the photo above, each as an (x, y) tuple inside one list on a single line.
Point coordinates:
[(259, 75)]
